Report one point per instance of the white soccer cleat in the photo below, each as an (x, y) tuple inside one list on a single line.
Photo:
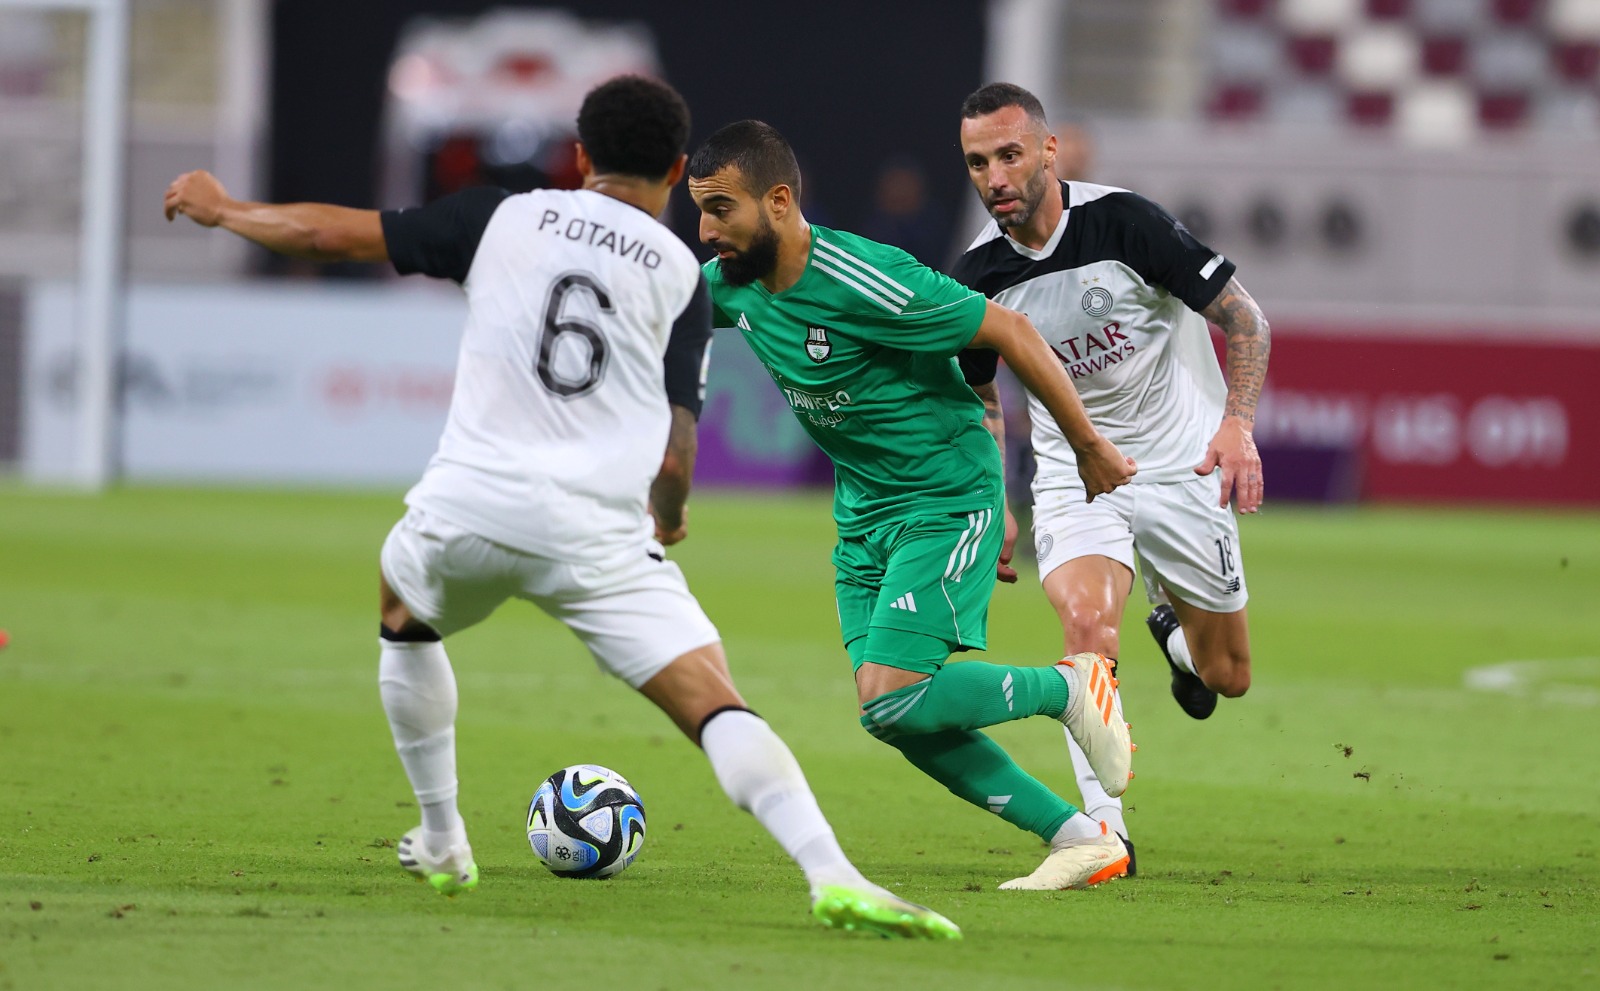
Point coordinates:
[(1094, 718), (449, 873), (1079, 864)]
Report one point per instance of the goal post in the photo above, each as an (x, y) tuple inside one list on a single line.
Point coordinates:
[(101, 260)]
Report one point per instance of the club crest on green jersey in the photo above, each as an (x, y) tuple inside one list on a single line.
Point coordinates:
[(818, 347)]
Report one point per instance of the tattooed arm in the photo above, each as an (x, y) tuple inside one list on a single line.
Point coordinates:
[(1233, 449), (994, 420)]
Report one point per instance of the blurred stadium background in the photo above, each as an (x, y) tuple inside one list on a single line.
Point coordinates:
[(1411, 189)]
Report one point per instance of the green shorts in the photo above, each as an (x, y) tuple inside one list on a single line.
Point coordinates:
[(930, 575)]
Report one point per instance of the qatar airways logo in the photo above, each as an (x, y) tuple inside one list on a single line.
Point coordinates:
[(1094, 351)]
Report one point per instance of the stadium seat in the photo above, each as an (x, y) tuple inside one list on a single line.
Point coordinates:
[(1516, 12), (1379, 57), (1577, 61), (1444, 55), (1437, 114), (1369, 109), (1237, 102), (1449, 16), (1503, 109), (1510, 60), (1575, 20), (1319, 16), (1313, 55), (1246, 53), (1388, 10)]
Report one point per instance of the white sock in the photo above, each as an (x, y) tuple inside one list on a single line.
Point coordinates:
[(1095, 800), (418, 689), (1079, 827), (761, 776), (1178, 647)]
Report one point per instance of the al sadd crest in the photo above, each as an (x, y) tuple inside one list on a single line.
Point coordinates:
[(818, 347)]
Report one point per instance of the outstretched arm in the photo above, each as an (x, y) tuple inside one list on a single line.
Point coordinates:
[(994, 420), (1101, 466), (317, 231), (669, 493), (1233, 449)]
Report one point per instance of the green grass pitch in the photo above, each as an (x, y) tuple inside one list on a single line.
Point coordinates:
[(197, 788)]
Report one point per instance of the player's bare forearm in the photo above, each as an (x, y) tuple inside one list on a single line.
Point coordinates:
[(1101, 466), (1249, 344), (669, 493), (1039, 371), (316, 231), (994, 416)]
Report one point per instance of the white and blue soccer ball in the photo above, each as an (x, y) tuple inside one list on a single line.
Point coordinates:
[(586, 821)]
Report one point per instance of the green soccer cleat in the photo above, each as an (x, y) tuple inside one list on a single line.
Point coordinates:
[(865, 910), (449, 874)]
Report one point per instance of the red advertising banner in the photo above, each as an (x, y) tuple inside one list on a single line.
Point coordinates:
[(1421, 416)]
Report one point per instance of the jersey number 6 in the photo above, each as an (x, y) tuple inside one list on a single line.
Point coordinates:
[(556, 327)]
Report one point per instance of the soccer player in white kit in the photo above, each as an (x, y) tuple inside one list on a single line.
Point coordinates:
[(1122, 292), (582, 361)]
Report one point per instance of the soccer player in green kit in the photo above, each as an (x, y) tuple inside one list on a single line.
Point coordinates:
[(861, 340)]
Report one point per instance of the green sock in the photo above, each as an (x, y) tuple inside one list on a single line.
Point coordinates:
[(975, 768), (968, 696)]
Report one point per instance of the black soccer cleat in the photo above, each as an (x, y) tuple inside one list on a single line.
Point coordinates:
[(1133, 861), (1192, 694)]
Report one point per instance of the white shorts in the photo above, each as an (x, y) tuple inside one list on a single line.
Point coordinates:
[(636, 617), (1181, 539)]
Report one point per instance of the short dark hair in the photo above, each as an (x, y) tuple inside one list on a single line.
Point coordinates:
[(631, 125), (998, 96), (756, 149)]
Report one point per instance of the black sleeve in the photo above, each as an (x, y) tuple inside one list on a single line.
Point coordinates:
[(440, 239), (978, 365), (687, 351), (1165, 254)]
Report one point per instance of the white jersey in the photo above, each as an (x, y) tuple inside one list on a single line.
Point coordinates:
[(1115, 292), (560, 414)]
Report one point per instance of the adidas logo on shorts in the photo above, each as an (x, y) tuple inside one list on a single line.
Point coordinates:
[(906, 602)]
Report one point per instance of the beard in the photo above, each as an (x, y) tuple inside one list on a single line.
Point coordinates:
[(1027, 204), (760, 258)]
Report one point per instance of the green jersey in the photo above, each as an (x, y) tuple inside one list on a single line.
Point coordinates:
[(863, 349)]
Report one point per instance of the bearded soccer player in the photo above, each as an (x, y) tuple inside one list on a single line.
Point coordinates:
[(587, 323), (1121, 292), (861, 339)]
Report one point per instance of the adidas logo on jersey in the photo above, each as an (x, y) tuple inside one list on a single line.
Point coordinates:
[(744, 324), (906, 602)]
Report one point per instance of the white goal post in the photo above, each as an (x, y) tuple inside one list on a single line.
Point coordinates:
[(101, 273)]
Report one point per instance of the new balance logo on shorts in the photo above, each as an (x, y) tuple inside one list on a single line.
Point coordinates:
[(906, 602), (1232, 588)]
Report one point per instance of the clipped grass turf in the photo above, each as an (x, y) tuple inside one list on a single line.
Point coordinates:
[(197, 788)]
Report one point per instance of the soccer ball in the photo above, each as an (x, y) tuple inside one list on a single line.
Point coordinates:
[(586, 821)]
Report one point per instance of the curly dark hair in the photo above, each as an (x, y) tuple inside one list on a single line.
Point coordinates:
[(761, 154), (635, 126)]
